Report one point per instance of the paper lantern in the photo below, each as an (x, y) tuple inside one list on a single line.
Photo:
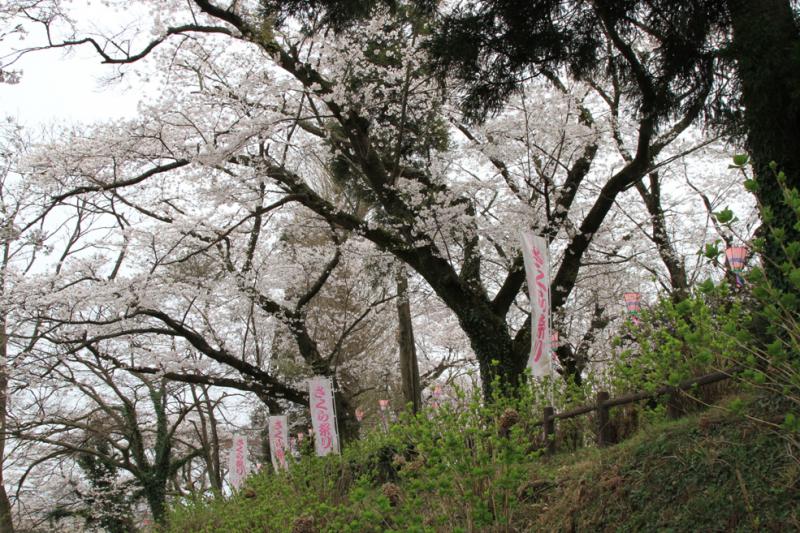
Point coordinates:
[(633, 301), (736, 256)]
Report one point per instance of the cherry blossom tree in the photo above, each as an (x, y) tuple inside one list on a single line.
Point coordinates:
[(43, 373), (12, 203), (259, 108), (246, 230), (126, 430)]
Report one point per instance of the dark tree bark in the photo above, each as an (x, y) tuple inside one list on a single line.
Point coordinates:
[(409, 368), (766, 46), (679, 281), (6, 524)]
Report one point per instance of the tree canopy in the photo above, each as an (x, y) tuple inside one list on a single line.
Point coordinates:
[(311, 178)]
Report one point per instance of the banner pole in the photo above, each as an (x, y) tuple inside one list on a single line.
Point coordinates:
[(336, 417)]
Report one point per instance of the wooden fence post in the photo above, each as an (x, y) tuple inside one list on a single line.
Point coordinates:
[(605, 435), (674, 409), (549, 425)]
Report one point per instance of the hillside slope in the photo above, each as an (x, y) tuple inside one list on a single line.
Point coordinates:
[(712, 472), (709, 472)]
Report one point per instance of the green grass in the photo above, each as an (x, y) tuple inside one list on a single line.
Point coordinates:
[(714, 472), (710, 472)]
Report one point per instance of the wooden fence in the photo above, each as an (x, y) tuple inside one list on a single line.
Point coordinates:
[(603, 404)]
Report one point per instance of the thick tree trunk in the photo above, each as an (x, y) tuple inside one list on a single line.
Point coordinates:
[(765, 45), (409, 368), (345, 416), (480, 320), (500, 363), (215, 471), (156, 495), (6, 524)]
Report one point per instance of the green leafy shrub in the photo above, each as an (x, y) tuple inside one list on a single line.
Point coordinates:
[(753, 328), (465, 451), (677, 341)]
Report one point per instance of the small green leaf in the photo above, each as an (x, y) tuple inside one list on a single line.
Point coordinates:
[(711, 251), (737, 405), (724, 216), (740, 160), (794, 277), (791, 423), (793, 250), (684, 306), (767, 215), (789, 300), (778, 233), (706, 287), (775, 349)]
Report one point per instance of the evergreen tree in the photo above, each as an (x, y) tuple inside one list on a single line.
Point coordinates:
[(694, 48)]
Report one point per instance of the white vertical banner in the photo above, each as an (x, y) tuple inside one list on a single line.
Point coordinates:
[(238, 467), (537, 272), (279, 442), (323, 415)]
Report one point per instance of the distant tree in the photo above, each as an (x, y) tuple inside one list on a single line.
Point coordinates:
[(13, 201), (123, 431), (106, 503)]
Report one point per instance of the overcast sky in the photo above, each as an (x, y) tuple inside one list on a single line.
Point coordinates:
[(64, 88)]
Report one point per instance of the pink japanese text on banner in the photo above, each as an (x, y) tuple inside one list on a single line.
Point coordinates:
[(537, 272), (323, 416), (278, 442), (238, 466)]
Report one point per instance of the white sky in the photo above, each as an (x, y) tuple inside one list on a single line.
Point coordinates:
[(70, 85), (65, 88)]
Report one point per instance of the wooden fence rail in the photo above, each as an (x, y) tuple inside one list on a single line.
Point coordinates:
[(603, 403)]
